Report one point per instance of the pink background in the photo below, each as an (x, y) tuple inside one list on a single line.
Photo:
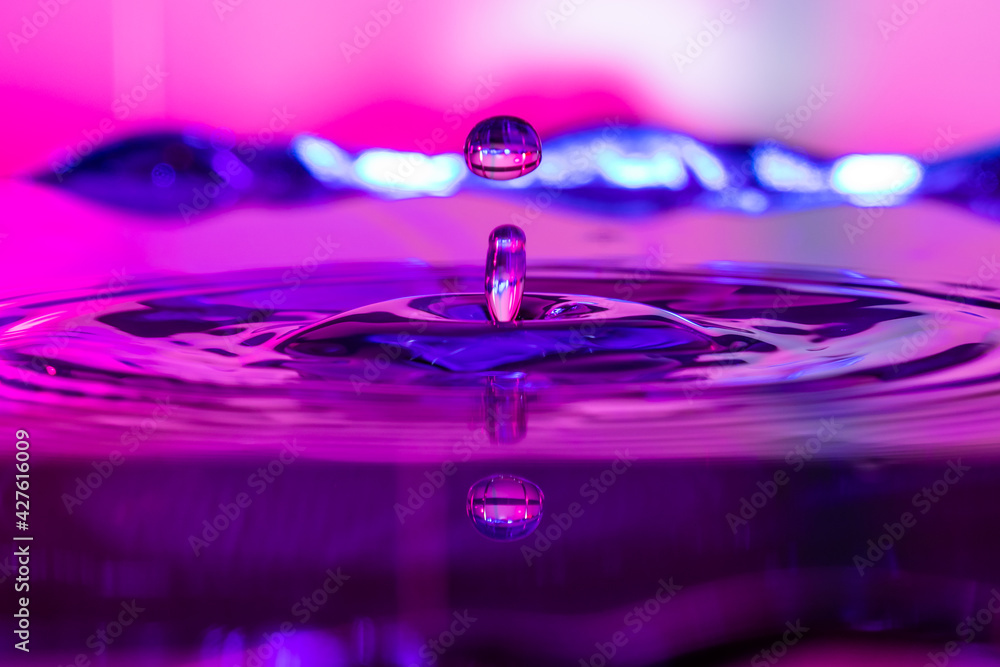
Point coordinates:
[(889, 91)]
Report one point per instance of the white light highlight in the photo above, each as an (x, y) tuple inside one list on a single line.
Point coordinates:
[(406, 173), (785, 172), (321, 158), (662, 169), (706, 167), (876, 180)]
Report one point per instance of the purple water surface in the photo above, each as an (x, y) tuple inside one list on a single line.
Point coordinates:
[(692, 358)]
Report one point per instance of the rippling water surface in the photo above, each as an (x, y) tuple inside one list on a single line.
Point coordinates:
[(400, 356)]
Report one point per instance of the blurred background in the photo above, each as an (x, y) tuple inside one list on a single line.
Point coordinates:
[(872, 75), (828, 79)]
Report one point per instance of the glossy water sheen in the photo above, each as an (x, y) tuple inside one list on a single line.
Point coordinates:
[(502, 148), (505, 507), (695, 354), (505, 268), (453, 332)]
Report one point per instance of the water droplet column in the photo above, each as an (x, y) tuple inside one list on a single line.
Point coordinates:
[(505, 269)]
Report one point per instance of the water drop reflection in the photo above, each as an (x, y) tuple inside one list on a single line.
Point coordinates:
[(505, 507), (506, 412)]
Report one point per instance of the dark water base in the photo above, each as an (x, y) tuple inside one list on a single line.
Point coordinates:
[(402, 566)]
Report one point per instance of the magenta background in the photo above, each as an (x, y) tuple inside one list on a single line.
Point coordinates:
[(938, 71)]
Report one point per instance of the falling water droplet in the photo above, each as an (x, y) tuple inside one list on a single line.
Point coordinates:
[(505, 507), (505, 268), (502, 148)]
